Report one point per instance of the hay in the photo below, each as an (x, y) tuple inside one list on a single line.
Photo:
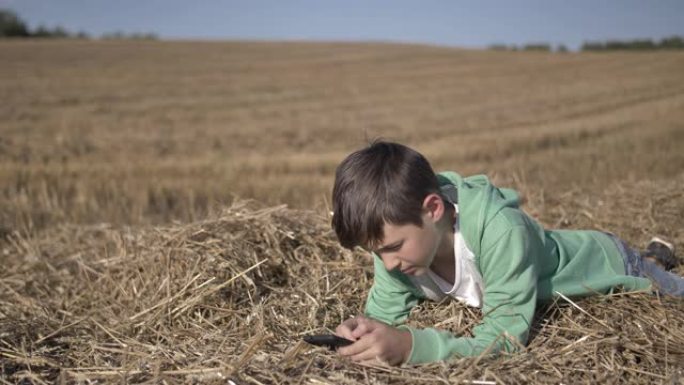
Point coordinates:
[(226, 300)]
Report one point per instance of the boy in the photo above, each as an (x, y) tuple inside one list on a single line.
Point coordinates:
[(444, 235)]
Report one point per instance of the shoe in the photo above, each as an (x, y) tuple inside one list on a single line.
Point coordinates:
[(663, 252)]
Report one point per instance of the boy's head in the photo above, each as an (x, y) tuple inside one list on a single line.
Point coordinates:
[(382, 183)]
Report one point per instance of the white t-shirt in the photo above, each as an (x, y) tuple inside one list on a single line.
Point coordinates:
[(467, 285)]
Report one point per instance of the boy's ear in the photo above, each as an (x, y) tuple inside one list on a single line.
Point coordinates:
[(433, 206)]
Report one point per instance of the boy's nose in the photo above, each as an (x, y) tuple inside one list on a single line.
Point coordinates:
[(391, 262)]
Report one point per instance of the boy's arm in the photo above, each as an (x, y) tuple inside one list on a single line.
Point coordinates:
[(510, 294), (392, 295)]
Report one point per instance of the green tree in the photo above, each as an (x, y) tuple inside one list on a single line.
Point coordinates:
[(593, 46), (56, 32), (542, 47), (60, 32), (561, 48), (498, 47), (674, 42), (41, 31), (11, 25)]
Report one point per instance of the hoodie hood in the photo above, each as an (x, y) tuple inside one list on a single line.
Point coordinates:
[(478, 202)]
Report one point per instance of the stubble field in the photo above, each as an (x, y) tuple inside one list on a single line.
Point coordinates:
[(129, 253)]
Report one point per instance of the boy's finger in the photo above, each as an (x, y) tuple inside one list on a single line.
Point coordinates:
[(357, 347), (368, 355), (345, 332), (367, 326), (346, 327), (351, 323), (375, 362), (362, 329)]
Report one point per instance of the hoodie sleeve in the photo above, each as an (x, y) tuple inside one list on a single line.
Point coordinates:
[(391, 297), (510, 294)]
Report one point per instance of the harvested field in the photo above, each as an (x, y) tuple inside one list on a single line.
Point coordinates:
[(229, 298), (130, 255), (149, 132)]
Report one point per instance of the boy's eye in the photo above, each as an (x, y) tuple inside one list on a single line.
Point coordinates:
[(389, 248), (392, 248)]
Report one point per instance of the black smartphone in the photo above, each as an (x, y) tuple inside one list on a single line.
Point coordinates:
[(330, 340)]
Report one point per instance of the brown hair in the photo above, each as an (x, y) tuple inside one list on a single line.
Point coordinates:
[(385, 182)]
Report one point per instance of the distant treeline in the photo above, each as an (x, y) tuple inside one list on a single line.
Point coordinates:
[(543, 47), (674, 42), (12, 26)]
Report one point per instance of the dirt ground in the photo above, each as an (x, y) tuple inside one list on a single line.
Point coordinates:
[(130, 255)]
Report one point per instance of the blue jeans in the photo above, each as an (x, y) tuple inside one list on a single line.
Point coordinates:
[(636, 266)]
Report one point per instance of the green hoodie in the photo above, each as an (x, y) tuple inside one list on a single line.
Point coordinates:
[(520, 264)]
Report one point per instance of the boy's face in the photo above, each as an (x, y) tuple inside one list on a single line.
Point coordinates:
[(409, 248)]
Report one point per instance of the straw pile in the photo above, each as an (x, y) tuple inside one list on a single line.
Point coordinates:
[(226, 300)]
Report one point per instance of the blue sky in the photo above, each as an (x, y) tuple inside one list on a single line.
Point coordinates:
[(452, 23)]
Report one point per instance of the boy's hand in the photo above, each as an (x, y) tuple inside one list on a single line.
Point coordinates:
[(374, 341)]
